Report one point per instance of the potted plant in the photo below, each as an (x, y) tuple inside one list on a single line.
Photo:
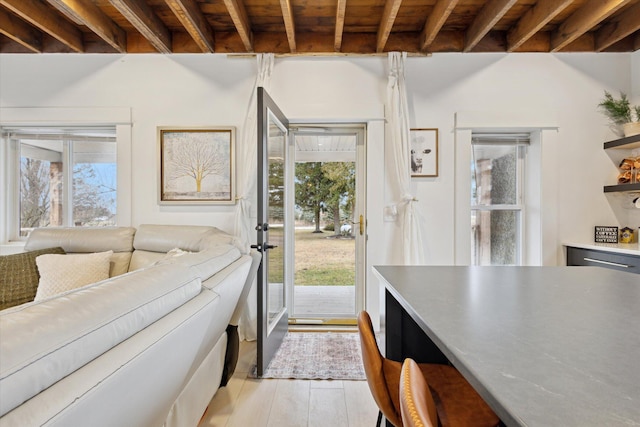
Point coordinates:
[(622, 114)]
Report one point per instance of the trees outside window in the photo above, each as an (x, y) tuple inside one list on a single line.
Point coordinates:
[(326, 187), (34, 193), (342, 177), (93, 194)]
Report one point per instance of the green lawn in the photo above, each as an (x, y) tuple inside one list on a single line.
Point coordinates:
[(319, 259)]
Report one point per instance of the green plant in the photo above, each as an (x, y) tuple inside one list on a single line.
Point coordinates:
[(619, 111)]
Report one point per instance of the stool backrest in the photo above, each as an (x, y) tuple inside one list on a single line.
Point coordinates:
[(384, 387), (416, 402)]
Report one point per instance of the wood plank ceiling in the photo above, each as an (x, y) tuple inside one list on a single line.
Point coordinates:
[(319, 27)]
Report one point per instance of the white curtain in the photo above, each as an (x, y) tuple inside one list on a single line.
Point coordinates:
[(397, 115), (246, 185)]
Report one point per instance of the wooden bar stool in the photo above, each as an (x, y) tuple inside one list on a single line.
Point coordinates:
[(457, 403)]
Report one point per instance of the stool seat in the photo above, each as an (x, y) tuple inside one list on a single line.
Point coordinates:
[(456, 402)]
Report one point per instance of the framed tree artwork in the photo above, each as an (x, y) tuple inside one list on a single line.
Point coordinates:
[(197, 165), (424, 152)]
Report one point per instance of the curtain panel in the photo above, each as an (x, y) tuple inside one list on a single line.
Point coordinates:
[(246, 185), (397, 115)]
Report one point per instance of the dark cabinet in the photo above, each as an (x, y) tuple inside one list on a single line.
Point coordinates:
[(612, 260)]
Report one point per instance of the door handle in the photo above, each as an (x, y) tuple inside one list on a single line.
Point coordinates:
[(262, 248), (599, 261), (361, 222)]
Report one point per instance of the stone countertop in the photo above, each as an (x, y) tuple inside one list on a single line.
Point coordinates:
[(619, 248), (544, 346)]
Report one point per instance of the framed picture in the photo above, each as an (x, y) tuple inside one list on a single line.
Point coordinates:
[(424, 152), (197, 165)]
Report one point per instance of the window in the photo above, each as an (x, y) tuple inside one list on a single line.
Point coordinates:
[(497, 199), (62, 177)]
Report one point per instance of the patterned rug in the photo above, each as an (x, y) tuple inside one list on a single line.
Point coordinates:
[(317, 356)]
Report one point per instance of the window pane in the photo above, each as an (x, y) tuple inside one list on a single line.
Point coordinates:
[(493, 174), (40, 188), (494, 237), (65, 177), (94, 184), (276, 205)]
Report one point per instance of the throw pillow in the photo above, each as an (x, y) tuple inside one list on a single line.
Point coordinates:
[(169, 256), (175, 252), (61, 273), (19, 276)]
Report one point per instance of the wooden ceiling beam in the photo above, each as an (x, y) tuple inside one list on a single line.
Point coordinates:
[(590, 14), (289, 24), (435, 21), (40, 16), (87, 13), (19, 31), (340, 11), (628, 24), (241, 21), (488, 16), (192, 19), (391, 8), (142, 17), (533, 21)]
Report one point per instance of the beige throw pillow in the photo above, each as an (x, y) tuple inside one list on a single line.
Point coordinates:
[(61, 273)]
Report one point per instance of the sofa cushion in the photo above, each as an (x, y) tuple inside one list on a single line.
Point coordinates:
[(61, 273), (45, 341), (88, 240), (19, 276), (153, 242), (206, 262), (192, 238)]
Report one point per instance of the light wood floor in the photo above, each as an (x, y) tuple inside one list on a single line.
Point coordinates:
[(248, 402)]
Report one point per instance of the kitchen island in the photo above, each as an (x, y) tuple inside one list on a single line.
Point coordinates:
[(544, 346)]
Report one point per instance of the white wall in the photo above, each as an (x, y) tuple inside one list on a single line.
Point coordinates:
[(635, 77), (197, 90), (566, 87)]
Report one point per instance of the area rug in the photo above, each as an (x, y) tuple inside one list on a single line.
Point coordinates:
[(317, 356)]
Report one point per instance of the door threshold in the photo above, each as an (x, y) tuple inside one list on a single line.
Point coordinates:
[(322, 325), (321, 321), (323, 328)]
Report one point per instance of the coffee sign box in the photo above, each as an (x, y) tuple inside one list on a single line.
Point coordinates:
[(606, 234)]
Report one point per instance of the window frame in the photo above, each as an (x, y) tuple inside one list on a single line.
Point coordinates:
[(65, 149), (543, 246), (62, 117), (520, 206)]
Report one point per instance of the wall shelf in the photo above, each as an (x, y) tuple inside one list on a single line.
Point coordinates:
[(621, 188), (630, 142)]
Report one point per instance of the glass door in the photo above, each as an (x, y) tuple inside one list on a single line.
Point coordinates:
[(329, 224), (272, 219)]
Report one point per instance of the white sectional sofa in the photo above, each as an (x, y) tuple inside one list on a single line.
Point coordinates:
[(146, 347)]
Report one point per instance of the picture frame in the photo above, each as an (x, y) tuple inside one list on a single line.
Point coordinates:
[(197, 165), (424, 152)]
